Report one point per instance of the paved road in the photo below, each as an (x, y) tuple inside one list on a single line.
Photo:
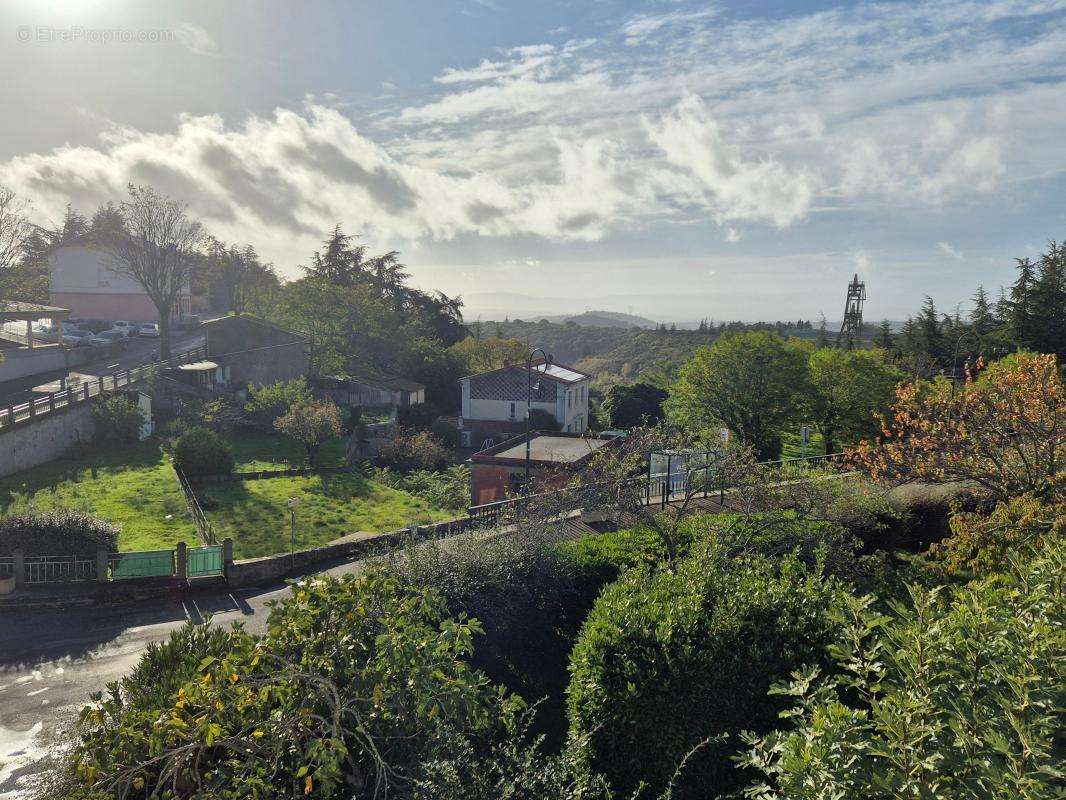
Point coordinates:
[(138, 351), (51, 661)]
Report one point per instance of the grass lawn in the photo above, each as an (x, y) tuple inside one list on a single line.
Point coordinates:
[(134, 488), (254, 514), (792, 445), (258, 451)]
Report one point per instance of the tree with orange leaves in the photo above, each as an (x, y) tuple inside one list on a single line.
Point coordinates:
[(1003, 429)]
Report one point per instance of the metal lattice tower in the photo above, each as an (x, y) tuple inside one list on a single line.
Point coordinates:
[(851, 331)]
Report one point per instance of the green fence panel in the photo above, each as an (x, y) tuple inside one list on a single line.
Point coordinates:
[(146, 564), (204, 561)]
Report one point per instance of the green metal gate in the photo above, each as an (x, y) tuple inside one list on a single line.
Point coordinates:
[(147, 564), (204, 561)]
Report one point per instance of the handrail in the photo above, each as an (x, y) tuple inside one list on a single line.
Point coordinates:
[(31, 409)]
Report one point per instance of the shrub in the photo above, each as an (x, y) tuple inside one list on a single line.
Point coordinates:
[(268, 402), (446, 433), (448, 489), (56, 533), (200, 451), (417, 415), (410, 450), (984, 543), (670, 659), (117, 420), (311, 424), (954, 695), (356, 683)]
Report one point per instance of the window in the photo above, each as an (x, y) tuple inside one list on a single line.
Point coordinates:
[(512, 410)]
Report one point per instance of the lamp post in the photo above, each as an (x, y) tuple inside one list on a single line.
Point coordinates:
[(529, 397), (292, 502)]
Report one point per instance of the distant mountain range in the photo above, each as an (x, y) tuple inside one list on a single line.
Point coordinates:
[(603, 319)]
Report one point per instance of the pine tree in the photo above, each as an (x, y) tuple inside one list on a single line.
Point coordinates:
[(981, 318), (884, 337), (1048, 302), (1020, 318)]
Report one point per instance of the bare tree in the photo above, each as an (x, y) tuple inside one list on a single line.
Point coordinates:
[(157, 247), (15, 230)]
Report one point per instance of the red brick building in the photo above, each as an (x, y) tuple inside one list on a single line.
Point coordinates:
[(498, 472)]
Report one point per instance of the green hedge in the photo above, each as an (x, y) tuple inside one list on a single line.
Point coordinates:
[(667, 659), (200, 451), (56, 533)]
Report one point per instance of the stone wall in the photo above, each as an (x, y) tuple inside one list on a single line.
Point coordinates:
[(29, 444)]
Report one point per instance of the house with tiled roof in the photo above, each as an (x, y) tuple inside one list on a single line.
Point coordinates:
[(494, 403)]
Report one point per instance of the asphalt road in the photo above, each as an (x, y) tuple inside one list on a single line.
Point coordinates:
[(51, 661), (138, 351)]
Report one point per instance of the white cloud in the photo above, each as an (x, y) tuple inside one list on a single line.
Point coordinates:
[(950, 251), (731, 187), (196, 39)]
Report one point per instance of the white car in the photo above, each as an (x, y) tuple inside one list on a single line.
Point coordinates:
[(149, 329), (122, 326)]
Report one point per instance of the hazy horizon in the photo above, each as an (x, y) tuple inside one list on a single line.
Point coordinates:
[(678, 159)]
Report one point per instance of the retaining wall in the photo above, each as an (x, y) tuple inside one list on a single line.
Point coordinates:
[(23, 361), (259, 571), (45, 439)]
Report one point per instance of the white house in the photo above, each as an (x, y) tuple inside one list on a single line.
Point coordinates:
[(495, 402)]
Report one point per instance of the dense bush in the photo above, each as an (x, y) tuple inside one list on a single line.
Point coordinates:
[(200, 451), (56, 533), (670, 659), (356, 684), (954, 695), (411, 450), (417, 415), (268, 402), (446, 433), (117, 420), (983, 543), (541, 420), (449, 488)]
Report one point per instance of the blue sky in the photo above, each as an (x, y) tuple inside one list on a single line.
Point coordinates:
[(680, 160)]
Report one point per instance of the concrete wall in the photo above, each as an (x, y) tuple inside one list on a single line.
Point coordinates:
[(22, 361), (266, 570), (46, 438)]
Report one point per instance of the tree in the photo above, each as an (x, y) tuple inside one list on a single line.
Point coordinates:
[(117, 420), (157, 246), (1021, 304), (483, 355), (267, 402), (311, 424), (1004, 429), (750, 382), (849, 390), (1048, 302), (236, 279), (884, 337), (632, 406), (15, 231)]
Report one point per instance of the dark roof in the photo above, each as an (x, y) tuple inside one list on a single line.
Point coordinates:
[(250, 318), (560, 373)]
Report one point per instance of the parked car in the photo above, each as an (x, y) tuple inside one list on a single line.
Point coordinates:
[(70, 340), (108, 338), (149, 329), (123, 326), (96, 325)]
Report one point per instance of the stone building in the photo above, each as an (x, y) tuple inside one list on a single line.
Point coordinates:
[(253, 350)]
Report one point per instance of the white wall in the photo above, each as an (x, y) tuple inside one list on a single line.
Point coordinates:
[(500, 410), (573, 407)]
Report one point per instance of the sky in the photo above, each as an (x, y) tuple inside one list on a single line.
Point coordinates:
[(678, 160)]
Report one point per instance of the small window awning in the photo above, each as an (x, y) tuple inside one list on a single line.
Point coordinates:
[(199, 366)]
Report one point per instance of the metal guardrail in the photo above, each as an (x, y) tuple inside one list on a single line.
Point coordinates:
[(59, 569), (656, 489), (23, 412)]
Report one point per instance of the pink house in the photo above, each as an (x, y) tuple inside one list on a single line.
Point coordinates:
[(82, 278)]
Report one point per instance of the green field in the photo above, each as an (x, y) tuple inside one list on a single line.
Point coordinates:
[(259, 451), (792, 445), (254, 513), (134, 488)]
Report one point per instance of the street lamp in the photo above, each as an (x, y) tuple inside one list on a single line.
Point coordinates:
[(529, 397), (292, 502)]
